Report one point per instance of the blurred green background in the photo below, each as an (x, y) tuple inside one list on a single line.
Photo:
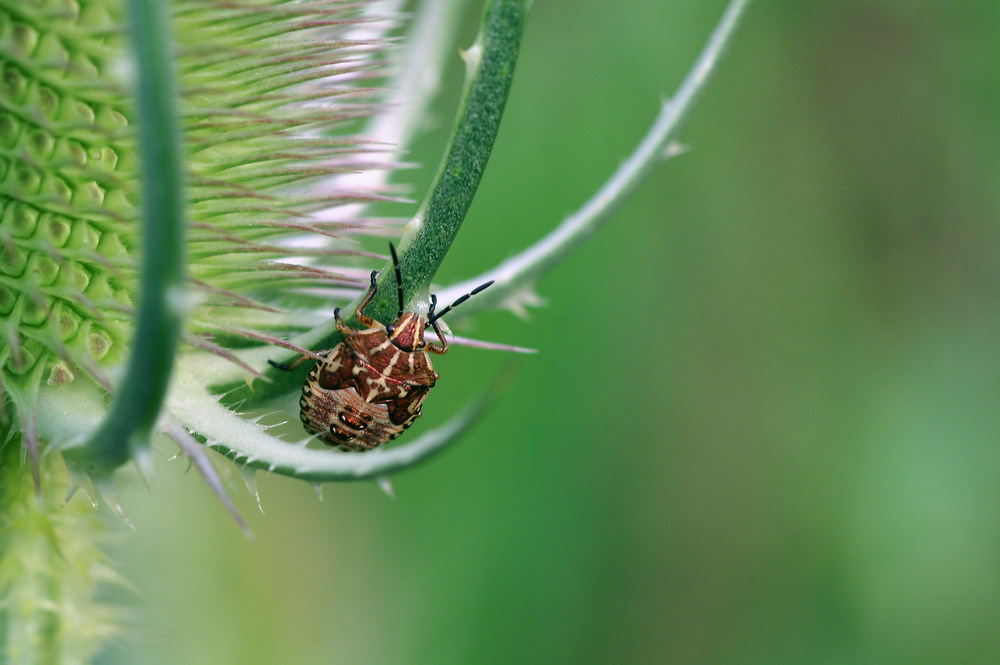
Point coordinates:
[(763, 423)]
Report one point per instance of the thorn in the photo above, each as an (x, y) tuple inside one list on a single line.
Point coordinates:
[(176, 431), (674, 149), (250, 478), (109, 494), (144, 463), (79, 481), (384, 483), (472, 55)]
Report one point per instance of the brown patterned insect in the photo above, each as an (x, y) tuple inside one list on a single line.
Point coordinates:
[(369, 388)]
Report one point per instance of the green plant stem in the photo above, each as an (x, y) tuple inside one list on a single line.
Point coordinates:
[(141, 393), (523, 269), (492, 58)]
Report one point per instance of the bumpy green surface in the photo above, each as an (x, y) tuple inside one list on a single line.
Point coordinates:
[(66, 282), (50, 562)]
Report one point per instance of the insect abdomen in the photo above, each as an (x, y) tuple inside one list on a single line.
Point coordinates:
[(350, 404)]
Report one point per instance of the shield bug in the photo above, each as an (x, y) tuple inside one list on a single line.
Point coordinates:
[(369, 388)]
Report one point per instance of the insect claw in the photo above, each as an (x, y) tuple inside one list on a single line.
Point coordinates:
[(282, 366)]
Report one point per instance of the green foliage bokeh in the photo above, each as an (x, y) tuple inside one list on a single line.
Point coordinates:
[(762, 426)]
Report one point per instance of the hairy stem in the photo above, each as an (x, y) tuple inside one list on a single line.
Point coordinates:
[(244, 442)]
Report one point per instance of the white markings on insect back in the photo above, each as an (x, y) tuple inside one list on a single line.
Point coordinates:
[(360, 408), (392, 363)]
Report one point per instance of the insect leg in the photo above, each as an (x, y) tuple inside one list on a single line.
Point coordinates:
[(441, 348), (367, 321), (287, 367), (341, 324)]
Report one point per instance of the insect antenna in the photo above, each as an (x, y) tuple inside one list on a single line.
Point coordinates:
[(433, 316), (399, 279)]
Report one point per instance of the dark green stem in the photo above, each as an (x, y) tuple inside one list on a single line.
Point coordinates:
[(491, 61), (461, 170), (140, 395)]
